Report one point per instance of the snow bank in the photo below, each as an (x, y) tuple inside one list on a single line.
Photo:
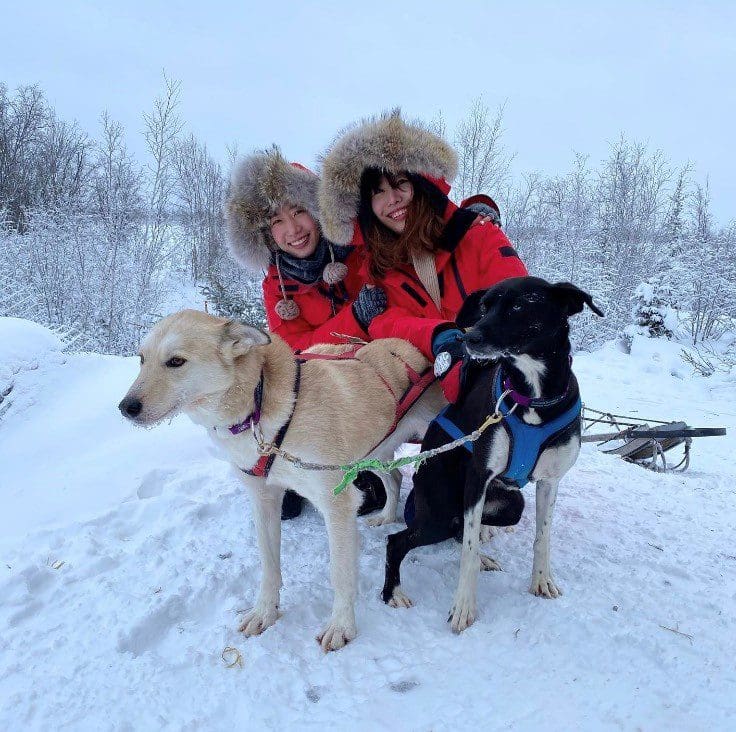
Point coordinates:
[(22, 345)]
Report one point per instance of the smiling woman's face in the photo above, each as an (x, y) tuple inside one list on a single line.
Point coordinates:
[(390, 201), (294, 231)]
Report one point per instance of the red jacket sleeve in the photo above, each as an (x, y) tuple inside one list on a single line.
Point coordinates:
[(398, 322), (301, 334), (497, 258)]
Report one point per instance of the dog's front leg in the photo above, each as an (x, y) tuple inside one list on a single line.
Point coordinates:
[(267, 515), (342, 531), (464, 607), (542, 583)]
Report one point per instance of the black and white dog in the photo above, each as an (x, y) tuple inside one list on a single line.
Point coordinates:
[(520, 367)]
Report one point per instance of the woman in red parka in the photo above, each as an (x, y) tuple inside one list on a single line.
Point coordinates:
[(311, 287), (384, 185)]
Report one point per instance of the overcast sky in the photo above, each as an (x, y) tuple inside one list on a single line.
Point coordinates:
[(573, 75)]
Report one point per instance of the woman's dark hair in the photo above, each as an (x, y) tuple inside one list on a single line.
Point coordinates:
[(424, 224)]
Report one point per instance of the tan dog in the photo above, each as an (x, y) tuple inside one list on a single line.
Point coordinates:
[(209, 368)]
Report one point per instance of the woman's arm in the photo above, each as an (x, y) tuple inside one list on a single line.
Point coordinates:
[(301, 334)]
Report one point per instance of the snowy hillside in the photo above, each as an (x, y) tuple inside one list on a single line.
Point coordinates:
[(127, 554)]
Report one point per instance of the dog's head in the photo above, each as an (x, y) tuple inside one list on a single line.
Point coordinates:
[(522, 315), (187, 359)]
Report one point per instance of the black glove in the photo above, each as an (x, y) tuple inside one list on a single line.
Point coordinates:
[(483, 209), (371, 301)]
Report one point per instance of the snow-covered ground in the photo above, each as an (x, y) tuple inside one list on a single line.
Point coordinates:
[(127, 554)]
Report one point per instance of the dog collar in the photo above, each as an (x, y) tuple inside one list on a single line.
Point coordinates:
[(255, 416), (529, 402)]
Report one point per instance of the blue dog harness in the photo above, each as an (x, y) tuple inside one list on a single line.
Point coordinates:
[(527, 441)]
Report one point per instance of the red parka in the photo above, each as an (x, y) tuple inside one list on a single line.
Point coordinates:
[(469, 258), (323, 309)]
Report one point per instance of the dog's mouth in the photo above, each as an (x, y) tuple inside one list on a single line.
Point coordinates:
[(485, 352)]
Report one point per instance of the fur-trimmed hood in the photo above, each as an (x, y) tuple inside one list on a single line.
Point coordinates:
[(386, 142), (260, 184)]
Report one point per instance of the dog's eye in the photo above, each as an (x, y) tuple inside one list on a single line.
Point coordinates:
[(175, 361), (516, 307)]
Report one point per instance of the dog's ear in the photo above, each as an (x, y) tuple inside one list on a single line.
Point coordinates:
[(470, 311), (238, 338), (573, 298)]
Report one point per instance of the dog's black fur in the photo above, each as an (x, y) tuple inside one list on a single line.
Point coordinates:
[(520, 316)]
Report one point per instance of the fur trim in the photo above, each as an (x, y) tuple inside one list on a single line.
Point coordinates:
[(260, 184), (386, 142)]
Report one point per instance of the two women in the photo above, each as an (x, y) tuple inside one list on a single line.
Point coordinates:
[(398, 259)]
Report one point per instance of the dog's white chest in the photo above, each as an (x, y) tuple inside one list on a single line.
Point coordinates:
[(241, 450), (554, 462)]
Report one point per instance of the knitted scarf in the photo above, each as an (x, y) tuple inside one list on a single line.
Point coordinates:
[(309, 270)]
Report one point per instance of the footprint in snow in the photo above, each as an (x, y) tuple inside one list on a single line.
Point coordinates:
[(152, 484)]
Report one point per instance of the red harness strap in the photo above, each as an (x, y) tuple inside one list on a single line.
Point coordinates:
[(346, 355), (263, 465)]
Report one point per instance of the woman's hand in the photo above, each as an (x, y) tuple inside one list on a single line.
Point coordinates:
[(486, 214), (371, 301)]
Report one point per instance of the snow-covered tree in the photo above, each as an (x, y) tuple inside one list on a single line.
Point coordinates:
[(653, 309)]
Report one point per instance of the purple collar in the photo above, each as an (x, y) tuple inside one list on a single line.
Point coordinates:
[(255, 416), (529, 402)]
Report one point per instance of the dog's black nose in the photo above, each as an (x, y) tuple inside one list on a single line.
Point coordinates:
[(473, 336), (130, 407)]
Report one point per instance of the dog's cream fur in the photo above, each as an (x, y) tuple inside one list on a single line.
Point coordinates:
[(343, 410)]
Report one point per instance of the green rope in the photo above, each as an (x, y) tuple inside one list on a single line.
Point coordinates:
[(377, 466), (351, 471)]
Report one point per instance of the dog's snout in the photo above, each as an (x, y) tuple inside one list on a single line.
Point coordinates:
[(130, 407)]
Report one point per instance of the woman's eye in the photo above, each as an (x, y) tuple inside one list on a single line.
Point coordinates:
[(175, 361)]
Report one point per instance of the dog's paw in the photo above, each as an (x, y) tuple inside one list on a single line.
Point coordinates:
[(489, 564), (487, 533), (256, 620), (543, 586), (381, 519), (399, 599), (463, 614), (336, 636)]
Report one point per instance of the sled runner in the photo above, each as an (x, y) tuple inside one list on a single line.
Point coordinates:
[(642, 443)]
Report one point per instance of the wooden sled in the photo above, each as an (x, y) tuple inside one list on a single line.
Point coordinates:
[(642, 443)]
